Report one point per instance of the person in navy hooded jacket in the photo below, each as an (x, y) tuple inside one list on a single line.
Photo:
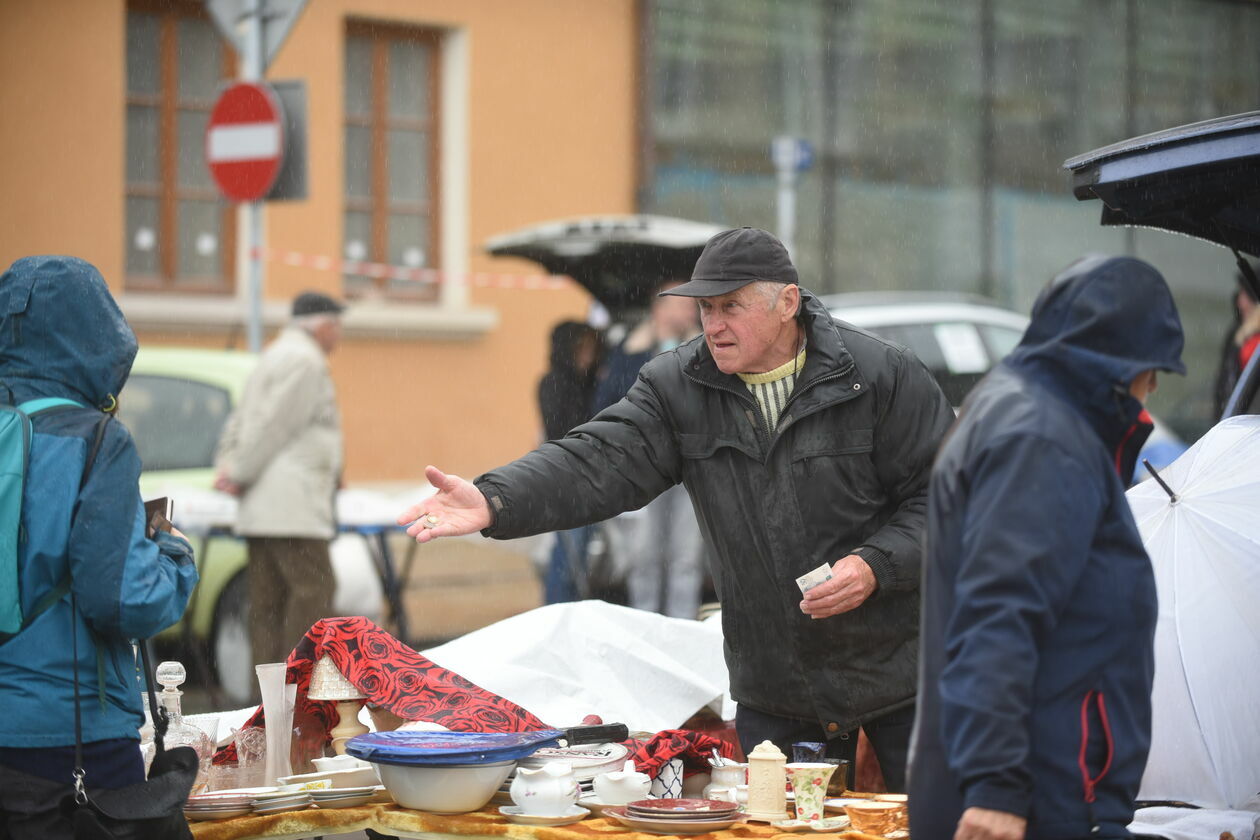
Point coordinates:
[(62, 336), (1039, 600)]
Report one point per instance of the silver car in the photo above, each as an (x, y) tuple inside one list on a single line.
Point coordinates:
[(960, 337)]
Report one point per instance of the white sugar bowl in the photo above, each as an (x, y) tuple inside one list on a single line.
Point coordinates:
[(622, 786), (550, 790)]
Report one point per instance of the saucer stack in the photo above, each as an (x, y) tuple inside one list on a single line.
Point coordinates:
[(343, 797), (218, 806), (677, 816), (282, 802)]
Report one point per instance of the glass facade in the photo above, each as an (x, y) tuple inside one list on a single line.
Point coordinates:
[(939, 130)]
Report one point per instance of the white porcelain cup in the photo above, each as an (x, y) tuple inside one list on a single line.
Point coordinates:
[(547, 791), (622, 786)]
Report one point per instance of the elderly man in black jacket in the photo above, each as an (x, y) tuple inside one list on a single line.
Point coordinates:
[(801, 441)]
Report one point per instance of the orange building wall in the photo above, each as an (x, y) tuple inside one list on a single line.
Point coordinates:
[(552, 110), (61, 131)]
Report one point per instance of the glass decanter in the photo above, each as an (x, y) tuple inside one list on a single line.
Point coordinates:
[(179, 732)]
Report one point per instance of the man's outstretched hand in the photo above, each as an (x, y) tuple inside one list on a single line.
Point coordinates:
[(457, 508)]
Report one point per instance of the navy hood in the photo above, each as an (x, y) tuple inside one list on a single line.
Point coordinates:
[(61, 333), (1097, 326)]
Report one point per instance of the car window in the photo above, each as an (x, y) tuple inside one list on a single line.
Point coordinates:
[(953, 353), (1001, 340), (176, 422)]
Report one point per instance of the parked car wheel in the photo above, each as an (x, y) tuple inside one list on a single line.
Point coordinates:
[(231, 658)]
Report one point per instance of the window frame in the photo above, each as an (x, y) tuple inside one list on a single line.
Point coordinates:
[(168, 191), (378, 206), (160, 383)]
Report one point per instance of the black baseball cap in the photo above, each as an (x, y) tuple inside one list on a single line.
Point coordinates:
[(314, 303), (734, 258)]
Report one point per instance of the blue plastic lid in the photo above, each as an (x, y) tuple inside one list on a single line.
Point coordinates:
[(446, 748)]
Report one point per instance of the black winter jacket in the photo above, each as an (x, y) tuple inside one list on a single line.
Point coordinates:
[(847, 469), (1039, 601)]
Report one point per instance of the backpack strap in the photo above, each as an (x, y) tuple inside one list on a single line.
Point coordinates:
[(52, 596), (33, 407)]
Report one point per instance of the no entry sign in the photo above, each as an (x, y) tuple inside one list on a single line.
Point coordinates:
[(245, 141)]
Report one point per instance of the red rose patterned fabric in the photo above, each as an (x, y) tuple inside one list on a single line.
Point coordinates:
[(394, 677), (694, 748)]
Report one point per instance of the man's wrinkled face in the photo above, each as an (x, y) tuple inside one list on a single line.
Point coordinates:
[(742, 329)]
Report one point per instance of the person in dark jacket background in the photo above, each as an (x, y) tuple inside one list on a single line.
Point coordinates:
[(662, 540), (566, 396), (62, 336), (801, 441), (1240, 342), (1039, 602), (566, 392)]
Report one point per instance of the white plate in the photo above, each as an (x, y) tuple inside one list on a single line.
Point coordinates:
[(516, 815), (352, 777), (301, 799), (251, 792), (343, 802), (829, 824), (593, 803), (279, 794), (348, 791), (587, 761), (221, 814), (283, 809)]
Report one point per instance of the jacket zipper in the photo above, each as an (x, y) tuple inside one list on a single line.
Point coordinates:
[(778, 432), (750, 411), (1089, 782)]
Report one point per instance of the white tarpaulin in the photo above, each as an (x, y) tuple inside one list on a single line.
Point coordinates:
[(1205, 548), (566, 661)]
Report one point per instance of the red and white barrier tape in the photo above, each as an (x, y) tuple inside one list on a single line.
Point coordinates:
[(433, 276)]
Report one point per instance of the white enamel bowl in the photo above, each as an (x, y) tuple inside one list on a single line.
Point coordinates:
[(455, 789)]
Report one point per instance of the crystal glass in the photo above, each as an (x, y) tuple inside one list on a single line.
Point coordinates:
[(179, 732)]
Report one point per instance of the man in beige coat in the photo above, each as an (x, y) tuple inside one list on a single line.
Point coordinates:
[(281, 453)]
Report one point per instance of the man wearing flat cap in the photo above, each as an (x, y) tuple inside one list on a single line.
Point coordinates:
[(802, 441), (281, 454)]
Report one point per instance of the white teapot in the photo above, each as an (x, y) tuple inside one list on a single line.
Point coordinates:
[(548, 791), (622, 786)]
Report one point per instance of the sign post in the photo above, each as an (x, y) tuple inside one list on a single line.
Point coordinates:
[(257, 28), (791, 156)]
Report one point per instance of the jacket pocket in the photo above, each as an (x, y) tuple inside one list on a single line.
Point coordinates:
[(838, 492), (855, 442), (696, 447)]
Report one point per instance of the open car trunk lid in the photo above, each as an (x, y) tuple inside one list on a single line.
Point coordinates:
[(1201, 179), (620, 260)]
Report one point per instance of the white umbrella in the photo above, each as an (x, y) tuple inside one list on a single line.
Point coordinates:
[(1205, 547)]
